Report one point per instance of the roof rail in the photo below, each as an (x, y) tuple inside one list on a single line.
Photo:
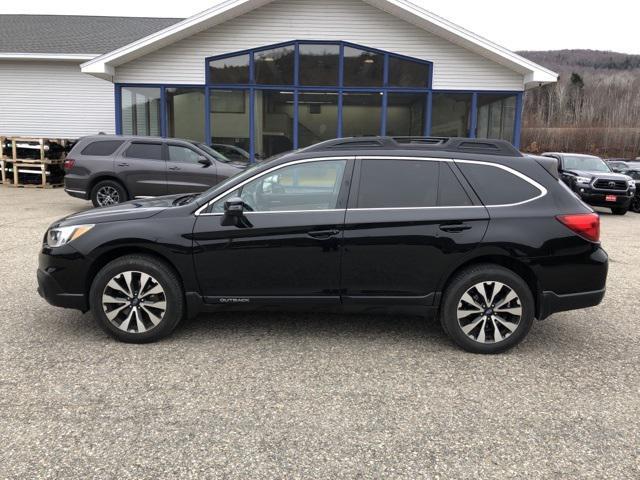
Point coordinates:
[(447, 144)]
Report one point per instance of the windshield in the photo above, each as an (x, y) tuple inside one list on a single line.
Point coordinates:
[(214, 153), (587, 164)]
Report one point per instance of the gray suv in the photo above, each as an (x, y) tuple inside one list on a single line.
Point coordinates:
[(110, 169)]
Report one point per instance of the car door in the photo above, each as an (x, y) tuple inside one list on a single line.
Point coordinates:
[(141, 167), (185, 173), (408, 221), (289, 246)]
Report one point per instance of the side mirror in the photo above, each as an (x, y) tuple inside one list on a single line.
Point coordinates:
[(234, 214), (204, 161)]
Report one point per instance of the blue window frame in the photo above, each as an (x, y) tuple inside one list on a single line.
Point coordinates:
[(415, 70)]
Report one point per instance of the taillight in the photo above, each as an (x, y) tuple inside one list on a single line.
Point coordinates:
[(68, 164), (586, 225)]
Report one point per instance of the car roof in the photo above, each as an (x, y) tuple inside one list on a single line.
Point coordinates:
[(562, 154), (136, 138)]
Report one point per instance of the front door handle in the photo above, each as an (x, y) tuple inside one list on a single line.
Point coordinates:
[(323, 234), (455, 227), (123, 164), (174, 169)]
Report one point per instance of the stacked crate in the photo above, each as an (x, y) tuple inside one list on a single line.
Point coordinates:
[(42, 171)]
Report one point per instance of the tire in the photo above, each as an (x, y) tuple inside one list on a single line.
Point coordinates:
[(475, 331), (144, 299), (619, 210), (108, 193), (635, 204)]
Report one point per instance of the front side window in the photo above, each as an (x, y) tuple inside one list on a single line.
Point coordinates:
[(398, 184), (300, 187), (182, 154), (145, 151)]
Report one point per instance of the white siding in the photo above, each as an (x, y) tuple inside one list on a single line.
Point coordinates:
[(349, 20), (53, 99)]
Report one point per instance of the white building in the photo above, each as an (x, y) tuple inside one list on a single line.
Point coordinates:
[(271, 75)]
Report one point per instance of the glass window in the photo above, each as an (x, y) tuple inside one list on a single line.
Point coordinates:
[(496, 116), (229, 152), (145, 151), (398, 184), (183, 154), (450, 191), (274, 122), (317, 117), (485, 178), (406, 114), (103, 148), (363, 68), (451, 113), (229, 70), (230, 117), (185, 112), (319, 64), (406, 73), (141, 111), (361, 114), (307, 186), (275, 67)]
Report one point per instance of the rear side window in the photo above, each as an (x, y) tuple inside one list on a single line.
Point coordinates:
[(496, 186), (147, 151), (398, 184), (103, 148), (450, 191)]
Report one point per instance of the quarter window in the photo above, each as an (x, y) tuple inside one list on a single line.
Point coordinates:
[(103, 148), (398, 184), (496, 186), (146, 151), (306, 186)]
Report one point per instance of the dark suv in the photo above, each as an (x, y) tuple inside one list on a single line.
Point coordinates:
[(594, 181), (111, 169), (469, 230)]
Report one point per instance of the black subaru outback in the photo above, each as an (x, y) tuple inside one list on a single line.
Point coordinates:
[(469, 230)]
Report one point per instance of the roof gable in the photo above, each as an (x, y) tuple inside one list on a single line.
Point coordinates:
[(104, 66)]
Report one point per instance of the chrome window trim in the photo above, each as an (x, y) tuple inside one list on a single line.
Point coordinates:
[(543, 191), (267, 172)]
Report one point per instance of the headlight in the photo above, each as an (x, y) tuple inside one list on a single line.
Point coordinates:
[(584, 180), (56, 237)]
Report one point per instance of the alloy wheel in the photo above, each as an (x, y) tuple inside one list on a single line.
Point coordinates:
[(107, 196), (489, 312), (134, 302)]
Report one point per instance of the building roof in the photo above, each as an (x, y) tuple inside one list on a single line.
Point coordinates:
[(534, 74), (72, 36)]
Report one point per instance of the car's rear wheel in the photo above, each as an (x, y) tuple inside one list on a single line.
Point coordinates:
[(487, 309), (137, 299), (619, 210), (108, 193)]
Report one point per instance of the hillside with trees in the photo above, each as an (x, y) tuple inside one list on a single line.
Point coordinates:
[(594, 108)]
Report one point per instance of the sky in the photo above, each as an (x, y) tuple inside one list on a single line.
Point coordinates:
[(539, 25)]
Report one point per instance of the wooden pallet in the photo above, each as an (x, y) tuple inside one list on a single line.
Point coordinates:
[(11, 166)]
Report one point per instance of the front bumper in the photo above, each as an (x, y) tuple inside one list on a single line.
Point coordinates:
[(54, 294), (599, 198)]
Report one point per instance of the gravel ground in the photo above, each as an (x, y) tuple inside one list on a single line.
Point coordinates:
[(311, 396)]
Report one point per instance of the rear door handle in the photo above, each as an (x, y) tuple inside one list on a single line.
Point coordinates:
[(455, 227), (123, 164), (323, 234), (174, 169)]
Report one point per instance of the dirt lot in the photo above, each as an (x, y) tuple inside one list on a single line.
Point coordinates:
[(311, 396)]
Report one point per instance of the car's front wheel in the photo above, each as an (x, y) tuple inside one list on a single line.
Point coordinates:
[(487, 309), (137, 299), (635, 204), (619, 210)]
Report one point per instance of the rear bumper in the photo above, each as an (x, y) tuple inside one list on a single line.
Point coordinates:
[(53, 293), (553, 303)]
